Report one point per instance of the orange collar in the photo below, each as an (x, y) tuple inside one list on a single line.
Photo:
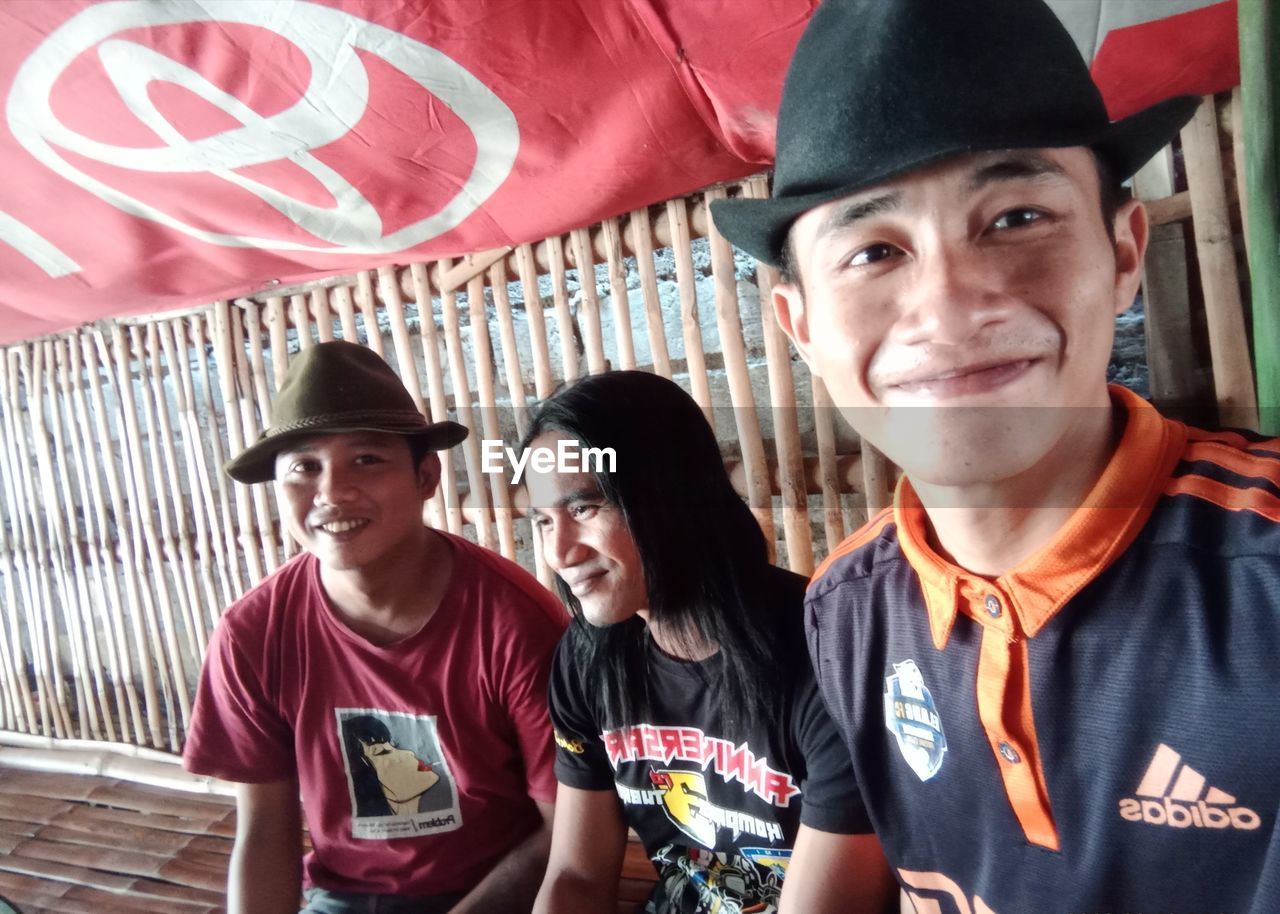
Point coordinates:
[(1093, 537)]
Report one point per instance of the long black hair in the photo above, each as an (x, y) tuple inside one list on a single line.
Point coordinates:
[(704, 557)]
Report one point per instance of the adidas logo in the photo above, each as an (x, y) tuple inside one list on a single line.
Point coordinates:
[(1178, 802)]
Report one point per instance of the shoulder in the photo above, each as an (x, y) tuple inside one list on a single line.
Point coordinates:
[(508, 590), (858, 555), (272, 600), (1223, 495)]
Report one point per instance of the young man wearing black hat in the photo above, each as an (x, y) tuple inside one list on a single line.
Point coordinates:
[(1053, 660), (393, 674)]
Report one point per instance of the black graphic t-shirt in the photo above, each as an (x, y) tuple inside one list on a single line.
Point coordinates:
[(717, 815)]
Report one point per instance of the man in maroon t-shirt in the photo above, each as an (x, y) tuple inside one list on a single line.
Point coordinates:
[(392, 674)]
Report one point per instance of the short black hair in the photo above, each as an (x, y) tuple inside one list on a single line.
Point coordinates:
[(1111, 192)]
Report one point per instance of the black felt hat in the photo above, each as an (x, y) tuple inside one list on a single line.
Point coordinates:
[(338, 387), (878, 88)]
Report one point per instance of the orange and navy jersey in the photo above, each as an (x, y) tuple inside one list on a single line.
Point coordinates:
[(1099, 728)]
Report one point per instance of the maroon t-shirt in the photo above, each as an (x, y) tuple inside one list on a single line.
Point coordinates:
[(418, 761)]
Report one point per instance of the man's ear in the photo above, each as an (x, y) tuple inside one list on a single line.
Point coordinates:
[(1132, 231), (792, 316), (429, 474)]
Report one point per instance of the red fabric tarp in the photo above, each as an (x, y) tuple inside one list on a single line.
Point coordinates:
[(165, 154)]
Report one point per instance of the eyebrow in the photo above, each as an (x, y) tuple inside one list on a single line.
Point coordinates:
[(360, 440), (583, 494), (1015, 167), (855, 210)]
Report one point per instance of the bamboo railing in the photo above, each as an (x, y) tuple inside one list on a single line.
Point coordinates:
[(122, 540)]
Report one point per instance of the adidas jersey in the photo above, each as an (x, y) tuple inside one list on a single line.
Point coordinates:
[(1096, 730)]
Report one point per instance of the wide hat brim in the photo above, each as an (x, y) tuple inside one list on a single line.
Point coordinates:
[(257, 463), (760, 226)]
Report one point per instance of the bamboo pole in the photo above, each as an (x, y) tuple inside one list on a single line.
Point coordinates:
[(565, 326), (264, 530), (824, 431), (690, 319), (593, 335), (510, 350), (724, 275), (223, 359), (78, 545), (301, 320), (16, 577), (174, 529), (482, 349), (278, 333), (346, 313), (156, 603), (95, 354), (543, 379), (42, 658), (1233, 379), (76, 515), (619, 299), (786, 424), (48, 441), (462, 399), (17, 688), (318, 303), (172, 341), (368, 311), (229, 570), (436, 391), (394, 305), (877, 479), (1259, 112), (642, 242), (256, 369), (108, 577)]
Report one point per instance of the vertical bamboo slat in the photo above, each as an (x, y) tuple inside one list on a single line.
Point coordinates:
[(1233, 379), (23, 698), (265, 526), (462, 400), (690, 320), (156, 602), (877, 479), (786, 423), (543, 379), (108, 579), (368, 305), (482, 349), (436, 390), (565, 326), (723, 272), (642, 244), (390, 289), (48, 441), (619, 300), (301, 320), (320, 313), (593, 335), (346, 313), (510, 348)]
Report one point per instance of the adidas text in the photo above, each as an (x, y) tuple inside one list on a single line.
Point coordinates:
[(1188, 815)]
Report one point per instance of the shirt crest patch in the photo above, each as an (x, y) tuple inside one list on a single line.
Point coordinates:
[(912, 717)]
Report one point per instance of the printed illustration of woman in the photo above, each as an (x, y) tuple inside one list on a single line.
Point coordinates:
[(388, 780)]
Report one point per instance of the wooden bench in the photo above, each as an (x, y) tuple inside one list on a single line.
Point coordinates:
[(87, 844)]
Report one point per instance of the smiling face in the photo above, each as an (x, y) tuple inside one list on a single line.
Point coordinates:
[(586, 541), (354, 499), (962, 315)]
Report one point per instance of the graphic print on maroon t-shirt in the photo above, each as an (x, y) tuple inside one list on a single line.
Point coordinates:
[(397, 775)]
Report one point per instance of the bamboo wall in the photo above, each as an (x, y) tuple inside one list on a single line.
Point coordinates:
[(122, 540)]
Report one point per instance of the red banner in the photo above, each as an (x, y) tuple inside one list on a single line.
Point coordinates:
[(165, 153)]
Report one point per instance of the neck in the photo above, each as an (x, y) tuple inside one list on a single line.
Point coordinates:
[(989, 529), (681, 644), (397, 596)]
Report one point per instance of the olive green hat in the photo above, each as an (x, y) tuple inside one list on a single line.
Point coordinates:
[(338, 387)]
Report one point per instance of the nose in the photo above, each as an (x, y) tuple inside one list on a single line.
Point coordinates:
[(334, 486), (952, 293), (563, 546)]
